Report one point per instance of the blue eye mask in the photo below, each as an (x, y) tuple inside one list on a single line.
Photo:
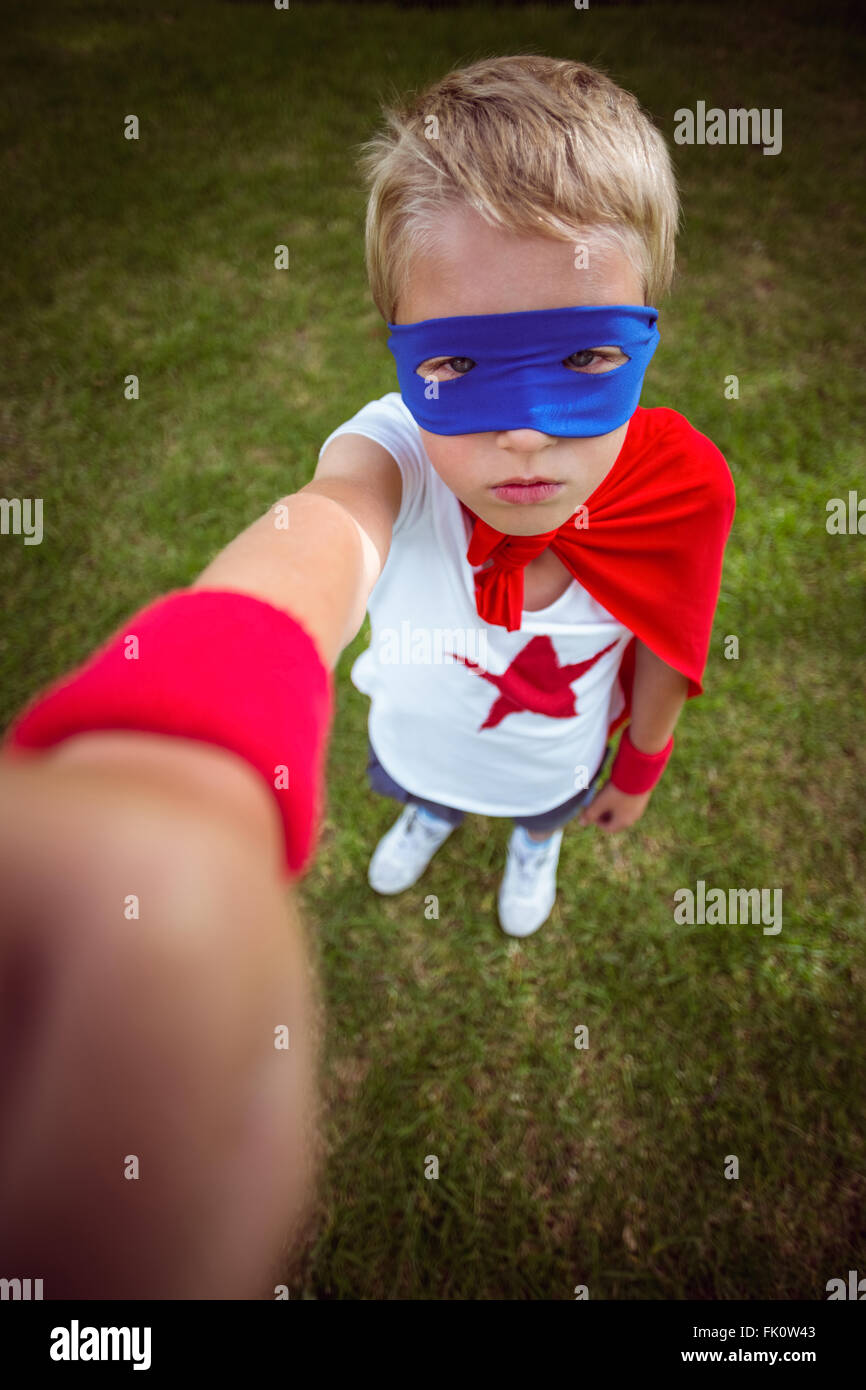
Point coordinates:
[(519, 380)]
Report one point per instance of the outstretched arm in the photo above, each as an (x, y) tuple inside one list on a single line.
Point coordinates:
[(154, 1142)]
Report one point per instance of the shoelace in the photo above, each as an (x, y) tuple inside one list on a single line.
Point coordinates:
[(415, 819), (528, 863)]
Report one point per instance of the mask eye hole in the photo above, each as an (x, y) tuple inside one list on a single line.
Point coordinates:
[(593, 361), (445, 368)]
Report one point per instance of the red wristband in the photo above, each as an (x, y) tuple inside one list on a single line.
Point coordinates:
[(635, 772), (214, 665)]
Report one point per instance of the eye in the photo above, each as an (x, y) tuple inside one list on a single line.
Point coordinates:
[(592, 361), (451, 367)]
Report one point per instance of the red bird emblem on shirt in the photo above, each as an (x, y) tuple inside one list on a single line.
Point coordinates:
[(535, 681)]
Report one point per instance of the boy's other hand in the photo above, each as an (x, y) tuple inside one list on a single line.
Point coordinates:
[(614, 810)]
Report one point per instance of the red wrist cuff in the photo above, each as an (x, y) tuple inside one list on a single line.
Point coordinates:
[(215, 665), (635, 772)]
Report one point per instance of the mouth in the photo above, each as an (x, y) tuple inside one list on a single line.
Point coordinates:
[(526, 490)]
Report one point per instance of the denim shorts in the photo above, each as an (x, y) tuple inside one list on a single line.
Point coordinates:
[(385, 785)]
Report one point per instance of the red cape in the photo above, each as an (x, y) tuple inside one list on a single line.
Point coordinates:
[(652, 550)]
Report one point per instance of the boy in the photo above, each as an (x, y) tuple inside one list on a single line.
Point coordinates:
[(511, 422), (516, 257)]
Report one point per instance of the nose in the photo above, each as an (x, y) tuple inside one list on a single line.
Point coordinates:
[(523, 441)]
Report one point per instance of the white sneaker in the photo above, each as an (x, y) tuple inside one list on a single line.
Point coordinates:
[(402, 855), (528, 888)]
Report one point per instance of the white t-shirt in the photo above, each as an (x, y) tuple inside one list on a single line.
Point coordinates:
[(464, 712)]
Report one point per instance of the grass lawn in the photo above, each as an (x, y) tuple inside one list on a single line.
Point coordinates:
[(558, 1166)]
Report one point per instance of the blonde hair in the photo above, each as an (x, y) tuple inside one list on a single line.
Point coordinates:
[(535, 145)]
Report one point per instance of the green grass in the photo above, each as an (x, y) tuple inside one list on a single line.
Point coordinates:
[(557, 1167)]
